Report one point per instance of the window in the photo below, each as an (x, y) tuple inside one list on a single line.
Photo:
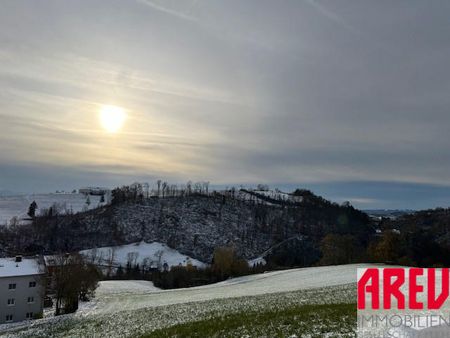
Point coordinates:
[(12, 286), (32, 284), (30, 300), (29, 315), (11, 301), (9, 318)]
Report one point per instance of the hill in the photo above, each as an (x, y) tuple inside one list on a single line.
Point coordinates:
[(16, 205), (155, 255), (423, 237), (195, 224)]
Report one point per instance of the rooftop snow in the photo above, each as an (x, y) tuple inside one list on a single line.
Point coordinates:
[(10, 268)]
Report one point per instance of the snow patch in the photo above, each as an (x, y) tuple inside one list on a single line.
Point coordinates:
[(125, 286), (257, 261), (155, 255)]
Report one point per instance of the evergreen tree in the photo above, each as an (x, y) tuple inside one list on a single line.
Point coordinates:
[(32, 209), (119, 273)]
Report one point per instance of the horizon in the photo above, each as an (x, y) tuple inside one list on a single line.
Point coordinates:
[(348, 99), (333, 192)]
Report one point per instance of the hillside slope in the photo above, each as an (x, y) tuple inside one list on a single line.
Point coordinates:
[(17, 205), (253, 285), (153, 255), (133, 308), (194, 225)]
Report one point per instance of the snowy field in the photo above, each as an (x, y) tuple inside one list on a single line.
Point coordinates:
[(152, 254), (130, 308), (17, 206), (112, 287), (260, 284)]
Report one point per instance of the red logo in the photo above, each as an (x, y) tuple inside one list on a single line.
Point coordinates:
[(388, 282)]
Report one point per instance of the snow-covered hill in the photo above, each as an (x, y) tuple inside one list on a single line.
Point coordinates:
[(154, 255), (196, 225), (17, 206)]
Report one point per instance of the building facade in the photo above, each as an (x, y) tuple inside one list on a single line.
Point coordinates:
[(22, 289)]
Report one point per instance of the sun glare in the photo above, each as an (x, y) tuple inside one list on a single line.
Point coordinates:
[(112, 118)]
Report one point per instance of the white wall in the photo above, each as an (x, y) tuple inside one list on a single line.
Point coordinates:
[(20, 294)]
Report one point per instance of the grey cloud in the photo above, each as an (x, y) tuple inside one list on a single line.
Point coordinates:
[(299, 91)]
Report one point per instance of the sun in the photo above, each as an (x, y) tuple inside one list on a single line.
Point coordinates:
[(112, 118)]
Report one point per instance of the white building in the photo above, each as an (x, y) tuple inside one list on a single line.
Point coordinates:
[(95, 191), (22, 288)]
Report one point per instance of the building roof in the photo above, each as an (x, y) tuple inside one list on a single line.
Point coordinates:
[(52, 260), (28, 266)]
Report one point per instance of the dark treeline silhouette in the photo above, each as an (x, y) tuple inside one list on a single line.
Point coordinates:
[(137, 192)]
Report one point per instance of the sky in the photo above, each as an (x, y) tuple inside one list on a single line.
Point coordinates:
[(348, 98)]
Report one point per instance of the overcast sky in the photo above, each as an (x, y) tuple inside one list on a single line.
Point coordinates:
[(349, 98)]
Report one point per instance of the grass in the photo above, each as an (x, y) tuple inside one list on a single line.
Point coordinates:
[(297, 321), (313, 313)]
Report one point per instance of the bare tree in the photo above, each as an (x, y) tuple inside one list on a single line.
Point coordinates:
[(146, 264), (110, 260), (159, 255), (189, 187), (165, 187), (74, 279), (198, 187), (93, 256), (132, 258), (173, 189), (159, 187), (146, 188), (14, 222)]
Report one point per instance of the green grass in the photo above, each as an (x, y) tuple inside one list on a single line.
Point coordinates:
[(323, 320), (303, 312)]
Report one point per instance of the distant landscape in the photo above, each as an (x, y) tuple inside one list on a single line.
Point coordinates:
[(143, 241), (283, 229), (16, 205), (224, 169)]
